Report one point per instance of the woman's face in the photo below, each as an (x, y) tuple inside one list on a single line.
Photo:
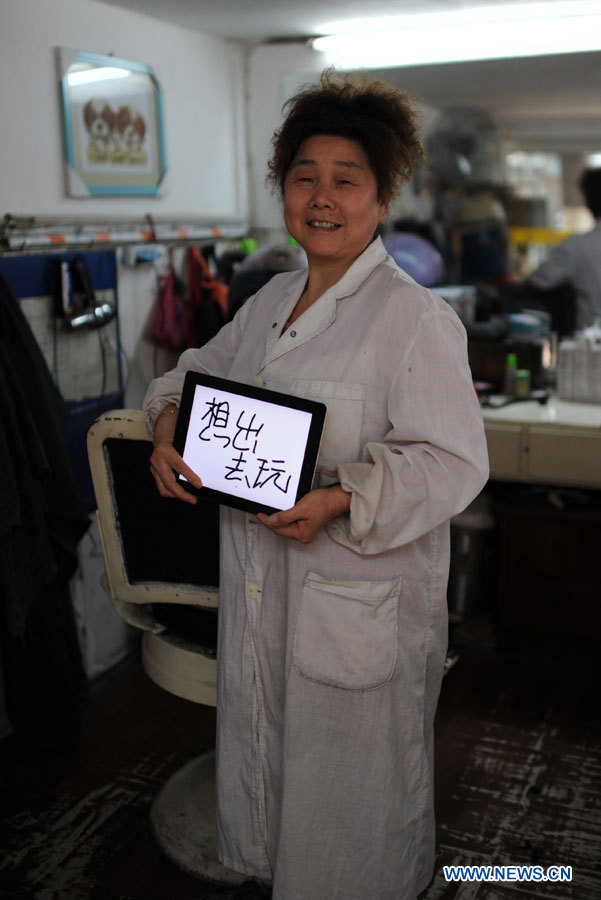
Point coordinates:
[(331, 204)]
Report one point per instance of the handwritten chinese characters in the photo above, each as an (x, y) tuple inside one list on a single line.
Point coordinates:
[(245, 441), (249, 448)]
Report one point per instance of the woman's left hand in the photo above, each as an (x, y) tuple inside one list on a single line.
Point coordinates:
[(307, 517)]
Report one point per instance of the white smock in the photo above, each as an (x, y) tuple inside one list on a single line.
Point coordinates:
[(330, 654)]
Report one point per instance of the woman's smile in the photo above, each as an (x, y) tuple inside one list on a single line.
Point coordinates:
[(331, 203), (321, 224)]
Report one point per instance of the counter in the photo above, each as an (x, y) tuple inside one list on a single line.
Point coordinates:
[(556, 443), (548, 573)]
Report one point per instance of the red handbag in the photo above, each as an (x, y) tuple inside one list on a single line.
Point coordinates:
[(169, 325)]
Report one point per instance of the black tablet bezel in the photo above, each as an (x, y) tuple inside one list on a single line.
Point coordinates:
[(315, 408)]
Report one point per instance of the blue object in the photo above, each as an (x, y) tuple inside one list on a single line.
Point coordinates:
[(524, 324), (417, 256)]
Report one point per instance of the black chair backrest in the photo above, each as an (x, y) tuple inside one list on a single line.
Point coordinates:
[(162, 539)]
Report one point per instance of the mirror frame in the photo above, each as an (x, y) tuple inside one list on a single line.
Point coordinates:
[(125, 155)]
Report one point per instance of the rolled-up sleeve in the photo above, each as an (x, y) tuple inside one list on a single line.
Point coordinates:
[(433, 461)]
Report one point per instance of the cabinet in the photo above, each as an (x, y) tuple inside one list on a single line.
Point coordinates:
[(559, 443), (549, 559)]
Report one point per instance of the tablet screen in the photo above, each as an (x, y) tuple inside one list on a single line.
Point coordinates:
[(253, 448)]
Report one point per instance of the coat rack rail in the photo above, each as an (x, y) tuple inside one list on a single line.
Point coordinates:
[(22, 233)]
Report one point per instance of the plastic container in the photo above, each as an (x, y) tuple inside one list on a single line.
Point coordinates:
[(579, 371), (522, 382), (461, 297), (511, 365)]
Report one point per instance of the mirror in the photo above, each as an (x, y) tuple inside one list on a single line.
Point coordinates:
[(112, 125)]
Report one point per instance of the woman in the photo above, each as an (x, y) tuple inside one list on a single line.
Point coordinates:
[(332, 615)]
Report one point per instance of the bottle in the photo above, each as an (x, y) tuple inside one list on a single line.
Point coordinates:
[(522, 383), (511, 365)]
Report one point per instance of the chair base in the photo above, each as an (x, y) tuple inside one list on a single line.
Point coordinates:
[(182, 819), (180, 667)]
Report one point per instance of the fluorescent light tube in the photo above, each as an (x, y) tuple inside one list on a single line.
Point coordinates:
[(495, 32)]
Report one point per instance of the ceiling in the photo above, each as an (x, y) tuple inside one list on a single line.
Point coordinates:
[(546, 103)]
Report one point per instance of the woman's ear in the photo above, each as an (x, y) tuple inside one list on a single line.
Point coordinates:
[(384, 204)]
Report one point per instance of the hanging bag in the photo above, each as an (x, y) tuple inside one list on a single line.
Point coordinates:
[(207, 300), (169, 322)]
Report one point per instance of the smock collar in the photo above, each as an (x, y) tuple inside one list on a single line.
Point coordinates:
[(322, 312)]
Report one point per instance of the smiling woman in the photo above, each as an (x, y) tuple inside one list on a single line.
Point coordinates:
[(332, 614), (331, 204), (343, 151)]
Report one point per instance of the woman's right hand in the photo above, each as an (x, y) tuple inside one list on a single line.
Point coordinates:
[(165, 461)]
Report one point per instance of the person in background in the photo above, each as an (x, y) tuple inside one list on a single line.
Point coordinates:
[(332, 614), (577, 260)]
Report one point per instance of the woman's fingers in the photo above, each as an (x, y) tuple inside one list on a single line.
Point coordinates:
[(165, 462), (284, 526), (305, 519), (294, 529), (301, 522), (279, 519)]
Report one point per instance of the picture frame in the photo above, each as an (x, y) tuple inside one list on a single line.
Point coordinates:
[(113, 127)]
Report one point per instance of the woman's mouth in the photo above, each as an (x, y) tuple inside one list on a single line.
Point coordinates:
[(319, 223)]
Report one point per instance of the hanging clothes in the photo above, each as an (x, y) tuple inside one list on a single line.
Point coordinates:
[(207, 300), (42, 519)]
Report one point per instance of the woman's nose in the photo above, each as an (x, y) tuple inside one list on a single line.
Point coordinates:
[(321, 196), (321, 201)]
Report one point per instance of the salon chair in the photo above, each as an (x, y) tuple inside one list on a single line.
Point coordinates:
[(161, 574)]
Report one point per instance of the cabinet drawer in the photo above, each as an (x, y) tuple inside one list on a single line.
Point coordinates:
[(504, 450), (566, 456)]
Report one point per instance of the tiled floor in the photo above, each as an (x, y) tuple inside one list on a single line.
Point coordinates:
[(518, 781)]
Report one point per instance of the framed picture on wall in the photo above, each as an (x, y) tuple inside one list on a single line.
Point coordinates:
[(113, 130)]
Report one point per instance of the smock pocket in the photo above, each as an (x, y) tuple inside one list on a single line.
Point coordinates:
[(346, 632), (341, 438)]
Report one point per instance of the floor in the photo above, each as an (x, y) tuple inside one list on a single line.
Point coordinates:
[(518, 773), (518, 782)]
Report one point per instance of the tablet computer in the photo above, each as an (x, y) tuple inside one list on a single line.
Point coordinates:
[(253, 448)]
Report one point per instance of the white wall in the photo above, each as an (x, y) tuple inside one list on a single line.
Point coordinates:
[(202, 82), (274, 73)]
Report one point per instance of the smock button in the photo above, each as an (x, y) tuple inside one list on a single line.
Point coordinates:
[(274, 325), (293, 334), (258, 381)]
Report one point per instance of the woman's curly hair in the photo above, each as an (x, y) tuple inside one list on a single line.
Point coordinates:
[(380, 117)]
